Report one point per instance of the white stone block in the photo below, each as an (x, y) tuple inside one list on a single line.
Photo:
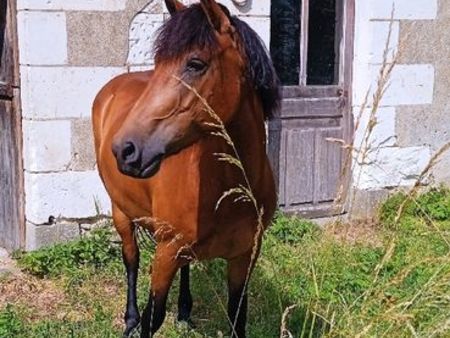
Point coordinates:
[(47, 145), (261, 25), (65, 195), (38, 236), (72, 5), (240, 7), (405, 9), (62, 92), (382, 135), (391, 167), (362, 79), (362, 48), (142, 34), (42, 38), (409, 85), (380, 36)]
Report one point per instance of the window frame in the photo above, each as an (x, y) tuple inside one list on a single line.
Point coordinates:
[(345, 10)]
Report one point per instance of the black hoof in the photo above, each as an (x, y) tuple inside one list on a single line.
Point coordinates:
[(132, 328)]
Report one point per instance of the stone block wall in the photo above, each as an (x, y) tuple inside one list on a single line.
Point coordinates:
[(68, 50), (410, 122)]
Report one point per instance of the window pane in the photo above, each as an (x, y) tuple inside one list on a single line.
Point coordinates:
[(285, 40), (323, 44)]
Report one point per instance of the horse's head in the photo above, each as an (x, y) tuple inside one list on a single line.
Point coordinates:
[(201, 47)]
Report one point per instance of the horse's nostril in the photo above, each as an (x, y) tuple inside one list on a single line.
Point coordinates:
[(130, 154), (128, 150)]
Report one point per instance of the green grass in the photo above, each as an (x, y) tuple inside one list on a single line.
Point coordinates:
[(399, 287)]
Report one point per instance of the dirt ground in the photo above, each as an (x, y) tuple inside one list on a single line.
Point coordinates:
[(19, 288)]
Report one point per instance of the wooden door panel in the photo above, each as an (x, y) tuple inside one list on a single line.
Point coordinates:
[(11, 172), (312, 107), (307, 162), (328, 164), (10, 179), (299, 185), (311, 91)]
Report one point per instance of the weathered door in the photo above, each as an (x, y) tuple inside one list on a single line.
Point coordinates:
[(11, 201), (311, 46)]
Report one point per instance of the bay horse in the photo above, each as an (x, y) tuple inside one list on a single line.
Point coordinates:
[(155, 149)]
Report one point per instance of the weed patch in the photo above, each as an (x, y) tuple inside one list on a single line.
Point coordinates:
[(93, 251)]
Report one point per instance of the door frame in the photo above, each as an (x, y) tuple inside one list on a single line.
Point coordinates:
[(341, 91), (10, 91)]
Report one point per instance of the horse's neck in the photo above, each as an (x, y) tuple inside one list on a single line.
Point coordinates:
[(247, 130), (208, 177)]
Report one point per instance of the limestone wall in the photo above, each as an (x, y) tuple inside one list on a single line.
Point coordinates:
[(411, 123), (70, 48)]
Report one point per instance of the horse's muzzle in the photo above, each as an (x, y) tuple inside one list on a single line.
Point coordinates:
[(135, 161)]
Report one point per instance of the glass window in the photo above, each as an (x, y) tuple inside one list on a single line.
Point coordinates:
[(285, 40), (311, 55), (323, 52)]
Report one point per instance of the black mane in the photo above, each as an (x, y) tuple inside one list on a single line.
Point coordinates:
[(189, 29)]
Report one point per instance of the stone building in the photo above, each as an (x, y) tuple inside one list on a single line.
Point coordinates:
[(57, 54)]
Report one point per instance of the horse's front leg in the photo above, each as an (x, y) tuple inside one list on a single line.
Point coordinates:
[(130, 255), (239, 271), (185, 297), (165, 266)]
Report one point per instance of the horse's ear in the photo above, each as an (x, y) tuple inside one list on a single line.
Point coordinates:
[(216, 16), (174, 6)]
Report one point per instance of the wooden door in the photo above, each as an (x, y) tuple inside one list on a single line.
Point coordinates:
[(11, 174), (311, 46)]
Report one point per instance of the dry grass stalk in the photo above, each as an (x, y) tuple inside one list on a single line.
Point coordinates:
[(360, 153), (284, 332), (385, 72)]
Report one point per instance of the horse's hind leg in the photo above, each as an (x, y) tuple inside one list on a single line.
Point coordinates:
[(130, 255), (184, 297), (165, 266), (239, 269)]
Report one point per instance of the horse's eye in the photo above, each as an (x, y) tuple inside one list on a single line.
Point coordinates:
[(196, 66)]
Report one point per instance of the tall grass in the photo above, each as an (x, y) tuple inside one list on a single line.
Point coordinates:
[(308, 283)]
